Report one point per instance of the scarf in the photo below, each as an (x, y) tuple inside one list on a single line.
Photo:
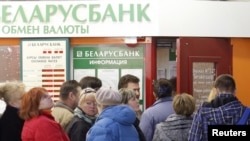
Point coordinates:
[(82, 115)]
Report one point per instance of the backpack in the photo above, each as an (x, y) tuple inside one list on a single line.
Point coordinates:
[(244, 117)]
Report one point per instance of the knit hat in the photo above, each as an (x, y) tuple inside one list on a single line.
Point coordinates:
[(108, 97)]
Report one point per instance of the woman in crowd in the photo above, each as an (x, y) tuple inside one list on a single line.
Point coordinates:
[(160, 110), (10, 123), (176, 127), (115, 121), (39, 124), (129, 98), (212, 94), (84, 116)]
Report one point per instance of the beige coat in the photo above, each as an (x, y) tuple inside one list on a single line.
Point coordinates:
[(62, 114)]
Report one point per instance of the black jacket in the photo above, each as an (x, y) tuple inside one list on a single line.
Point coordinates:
[(11, 125), (79, 126), (140, 133)]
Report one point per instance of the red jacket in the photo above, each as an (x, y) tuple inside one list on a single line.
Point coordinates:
[(43, 128)]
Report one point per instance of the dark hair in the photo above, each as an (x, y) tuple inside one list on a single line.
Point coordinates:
[(90, 81), (162, 88), (125, 79), (225, 82), (173, 83), (30, 103), (67, 87)]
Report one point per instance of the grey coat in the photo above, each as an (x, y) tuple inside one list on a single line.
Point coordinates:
[(175, 128)]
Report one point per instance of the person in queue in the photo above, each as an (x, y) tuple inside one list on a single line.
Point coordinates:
[(212, 94), (129, 98), (39, 124), (176, 127), (160, 110), (10, 123), (90, 82), (115, 121), (224, 109), (173, 81), (131, 82), (84, 116), (63, 111)]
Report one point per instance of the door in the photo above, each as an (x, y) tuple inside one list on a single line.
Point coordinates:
[(199, 62)]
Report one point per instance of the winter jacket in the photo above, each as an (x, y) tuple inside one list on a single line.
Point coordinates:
[(140, 133), (115, 123), (43, 128), (225, 109), (79, 125), (62, 114), (155, 114), (174, 128)]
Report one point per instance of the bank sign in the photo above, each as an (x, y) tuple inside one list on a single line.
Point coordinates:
[(77, 18)]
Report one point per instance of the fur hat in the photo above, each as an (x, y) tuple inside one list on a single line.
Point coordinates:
[(108, 97)]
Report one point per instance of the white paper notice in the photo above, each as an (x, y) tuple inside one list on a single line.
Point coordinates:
[(80, 73), (161, 73), (109, 78)]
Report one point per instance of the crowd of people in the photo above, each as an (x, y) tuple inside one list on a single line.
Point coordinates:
[(88, 112)]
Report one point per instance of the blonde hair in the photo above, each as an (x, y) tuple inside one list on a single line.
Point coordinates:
[(127, 94), (184, 104), (12, 90), (87, 94), (212, 94)]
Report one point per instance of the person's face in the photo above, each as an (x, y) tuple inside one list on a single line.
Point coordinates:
[(134, 103), (89, 107), (46, 102), (135, 87)]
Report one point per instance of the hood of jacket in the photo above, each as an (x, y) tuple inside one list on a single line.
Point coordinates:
[(175, 122), (224, 109), (220, 100), (120, 113)]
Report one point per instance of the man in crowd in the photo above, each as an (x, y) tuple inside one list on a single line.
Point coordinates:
[(63, 110)]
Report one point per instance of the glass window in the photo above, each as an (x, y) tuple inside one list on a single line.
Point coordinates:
[(10, 63)]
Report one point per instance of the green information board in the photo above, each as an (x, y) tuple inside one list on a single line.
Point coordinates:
[(109, 63)]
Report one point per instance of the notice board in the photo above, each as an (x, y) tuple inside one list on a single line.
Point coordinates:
[(44, 63), (109, 63), (203, 79)]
